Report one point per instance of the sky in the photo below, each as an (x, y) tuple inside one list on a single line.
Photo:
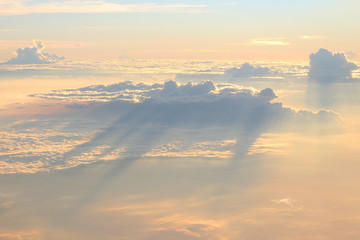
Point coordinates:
[(214, 120), (251, 30)]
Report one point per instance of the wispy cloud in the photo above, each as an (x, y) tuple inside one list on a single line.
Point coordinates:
[(18, 7), (289, 203), (263, 41), (276, 42), (311, 37), (32, 235)]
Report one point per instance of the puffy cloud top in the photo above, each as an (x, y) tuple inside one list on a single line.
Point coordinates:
[(171, 91), (325, 65), (248, 70), (33, 55)]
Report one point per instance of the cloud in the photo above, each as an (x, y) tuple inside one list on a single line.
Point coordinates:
[(351, 55), (127, 121), (207, 149), (265, 41), (30, 235), (92, 6), (191, 228), (269, 42), (33, 55), (171, 91), (311, 37), (328, 66), (125, 58), (248, 70), (287, 201), (289, 204)]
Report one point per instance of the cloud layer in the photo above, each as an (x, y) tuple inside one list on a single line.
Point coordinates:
[(328, 66), (34, 55)]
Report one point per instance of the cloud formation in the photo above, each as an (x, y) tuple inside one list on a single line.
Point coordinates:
[(34, 55), (127, 121), (328, 66), (248, 70), (171, 91)]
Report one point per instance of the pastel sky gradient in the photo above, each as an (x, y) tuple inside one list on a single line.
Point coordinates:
[(251, 30), (179, 119)]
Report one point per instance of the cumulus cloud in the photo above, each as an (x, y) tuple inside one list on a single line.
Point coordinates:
[(170, 100), (248, 70), (192, 104), (171, 91), (328, 66), (34, 55)]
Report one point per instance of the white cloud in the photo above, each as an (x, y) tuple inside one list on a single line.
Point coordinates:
[(311, 37), (33, 55), (206, 149), (171, 91), (18, 7), (263, 41), (248, 70), (276, 42), (328, 66), (289, 203)]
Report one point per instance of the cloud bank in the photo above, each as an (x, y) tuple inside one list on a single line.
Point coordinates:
[(248, 70), (201, 103), (128, 121), (171, 91), (33, 55), (328, 66)]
